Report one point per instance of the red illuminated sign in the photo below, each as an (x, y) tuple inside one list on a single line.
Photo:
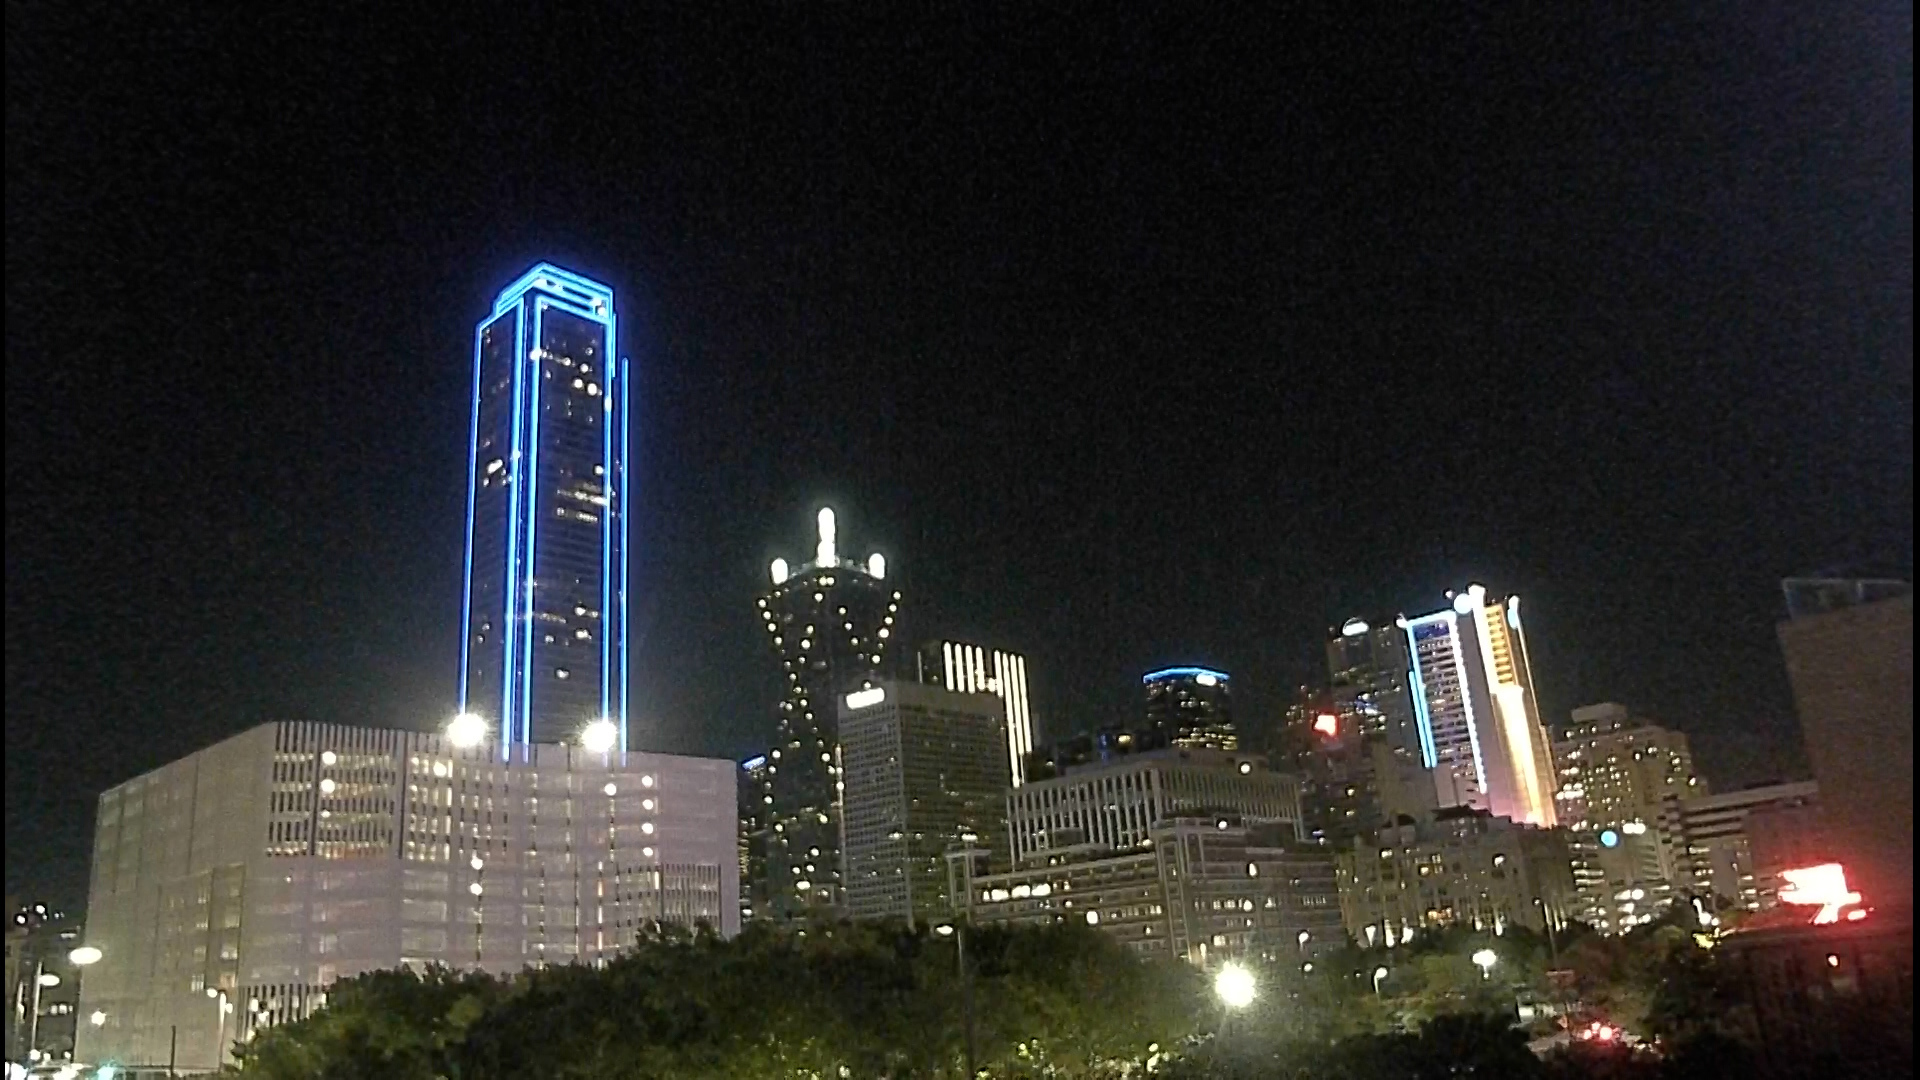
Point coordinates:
[(1327, 724), (1824, 887)]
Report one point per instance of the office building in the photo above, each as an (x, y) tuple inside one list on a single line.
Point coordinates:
[(1114, 805), (1475, 708), (830, 622), (43, 985), (1369, 669), (925, 773), (756, 834), (1191, 707), (1206, 889), (1353, 778), (230, 888), (973, 669), (1458, 867), (1849, 653), (1618, 777), (543, 627), (1720, 865)]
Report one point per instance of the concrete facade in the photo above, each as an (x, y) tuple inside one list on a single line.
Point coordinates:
[(231, 887)]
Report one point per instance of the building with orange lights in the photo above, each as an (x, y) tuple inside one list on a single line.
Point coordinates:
[(1476, 711)]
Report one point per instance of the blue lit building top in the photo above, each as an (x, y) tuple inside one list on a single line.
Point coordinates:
[(1183, 673), (1190, 707)]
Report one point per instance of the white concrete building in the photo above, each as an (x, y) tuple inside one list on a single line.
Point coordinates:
[(231, 887)]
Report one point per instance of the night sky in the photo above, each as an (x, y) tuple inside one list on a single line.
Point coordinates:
[(1129, 341)]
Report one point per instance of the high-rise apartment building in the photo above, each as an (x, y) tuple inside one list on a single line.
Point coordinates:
[(1479, 722), (926, 774), (1849, 652), (231, 888), (1615, 768), (830, 622), (1621, 778), (1191, 707), (1369, 670), (973, 669), (543, 627)]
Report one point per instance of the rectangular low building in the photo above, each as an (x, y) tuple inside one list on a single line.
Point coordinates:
[(231, 887), (1114, 805), (1720, 862), (1203, 889), (1459, 867)]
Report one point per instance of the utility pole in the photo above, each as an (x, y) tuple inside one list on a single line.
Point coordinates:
[(173, 1049)]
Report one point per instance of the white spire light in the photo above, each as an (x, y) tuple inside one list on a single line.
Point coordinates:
[(877, 565), (779, 570), (826, 555)]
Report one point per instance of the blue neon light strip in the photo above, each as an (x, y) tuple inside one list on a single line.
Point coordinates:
[(1423, 720), (473, 489), (606, 527), (516, 478), (534, 367), (1179, 672), (624, 493)]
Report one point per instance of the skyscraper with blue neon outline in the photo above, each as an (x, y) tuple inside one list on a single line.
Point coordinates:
[(543, 646)]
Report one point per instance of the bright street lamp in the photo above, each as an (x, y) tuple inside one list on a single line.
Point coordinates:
[(1486, 958), (600, 736), (1234, 986), (466, 730), (98, 1019), (84, 955), (1379, 973)]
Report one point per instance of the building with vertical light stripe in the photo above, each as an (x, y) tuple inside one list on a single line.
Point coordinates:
[(1474, 704), (543, 649), (974, 669)]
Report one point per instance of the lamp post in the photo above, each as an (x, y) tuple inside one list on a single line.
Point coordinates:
[(220, 1040), (1236, 989), (82, 957), (958, 932), (42, 978), (1486, 958), (1379, 973)]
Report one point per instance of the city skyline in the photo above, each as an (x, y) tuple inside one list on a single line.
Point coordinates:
[(1116, 377)]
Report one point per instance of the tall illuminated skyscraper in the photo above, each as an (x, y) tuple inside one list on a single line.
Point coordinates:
[(543, 646), (972, 669), (1479, 723), (830, 622)]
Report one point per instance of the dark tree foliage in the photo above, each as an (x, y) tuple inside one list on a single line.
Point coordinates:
[(870, 1002)]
